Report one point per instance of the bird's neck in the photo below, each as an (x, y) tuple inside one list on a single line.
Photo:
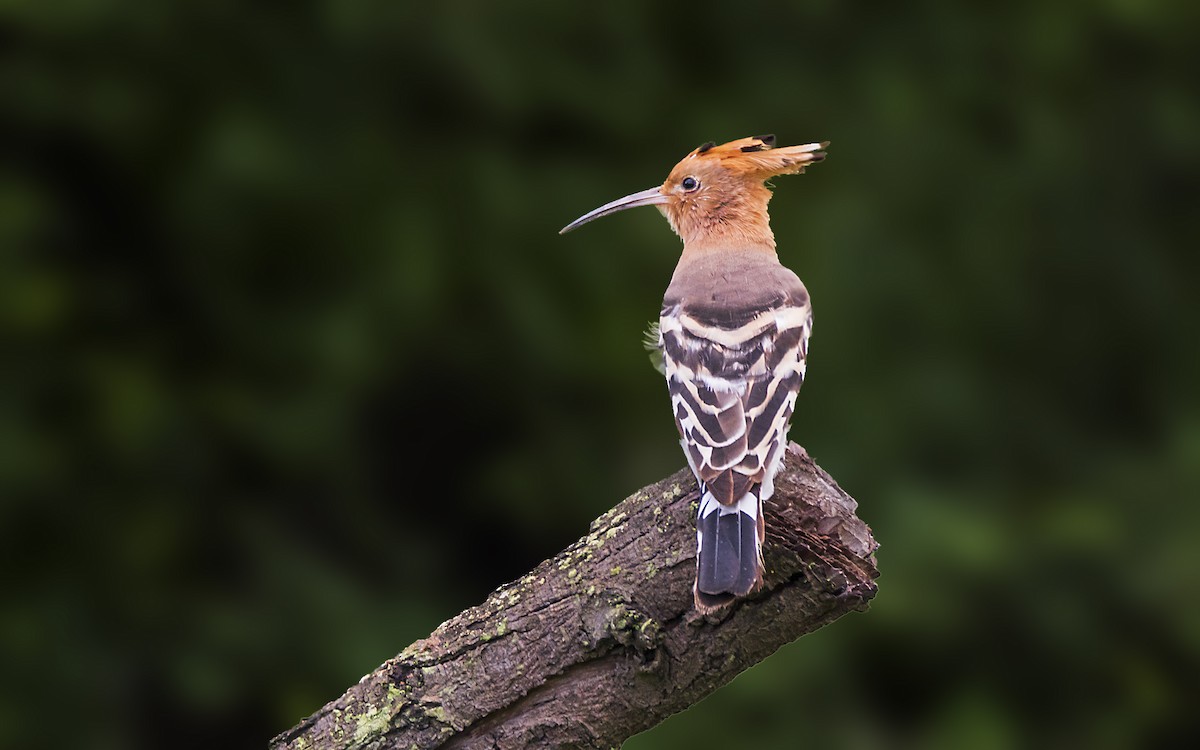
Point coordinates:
[(752, 236), (732, 237), (729, 221)]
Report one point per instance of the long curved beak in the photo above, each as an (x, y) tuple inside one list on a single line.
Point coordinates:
[(650, 197)]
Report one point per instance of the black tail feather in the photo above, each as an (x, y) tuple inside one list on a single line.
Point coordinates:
[(727, 564)]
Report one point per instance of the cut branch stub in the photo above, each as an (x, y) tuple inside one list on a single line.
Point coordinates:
[(601, 641)]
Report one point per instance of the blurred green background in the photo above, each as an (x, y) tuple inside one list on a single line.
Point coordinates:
[(296, 365)]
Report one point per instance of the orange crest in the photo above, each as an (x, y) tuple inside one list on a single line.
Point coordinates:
[(755, 157)]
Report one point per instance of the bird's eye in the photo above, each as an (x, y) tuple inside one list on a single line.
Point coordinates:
[(689, 184)]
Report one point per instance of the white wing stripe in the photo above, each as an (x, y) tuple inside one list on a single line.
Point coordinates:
[(782, 318)]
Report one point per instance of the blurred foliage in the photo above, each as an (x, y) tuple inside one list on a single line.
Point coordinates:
[(296, 365)]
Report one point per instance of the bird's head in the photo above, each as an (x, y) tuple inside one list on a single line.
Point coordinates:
[(716, 195)]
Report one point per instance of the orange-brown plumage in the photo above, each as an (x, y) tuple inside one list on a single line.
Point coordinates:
[(729, 208)]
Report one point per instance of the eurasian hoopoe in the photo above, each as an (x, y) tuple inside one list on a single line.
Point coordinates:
[(733, 332)]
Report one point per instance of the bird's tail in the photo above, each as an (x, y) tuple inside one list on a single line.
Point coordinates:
[(729, 559)]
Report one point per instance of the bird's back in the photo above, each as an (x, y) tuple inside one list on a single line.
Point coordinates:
[(734, 330), (733, 285)]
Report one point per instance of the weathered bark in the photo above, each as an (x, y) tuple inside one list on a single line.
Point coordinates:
[(601, 642)]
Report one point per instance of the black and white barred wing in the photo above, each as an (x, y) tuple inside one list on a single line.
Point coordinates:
[(733, 380)]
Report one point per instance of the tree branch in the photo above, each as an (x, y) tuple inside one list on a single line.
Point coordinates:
[(601, 642)]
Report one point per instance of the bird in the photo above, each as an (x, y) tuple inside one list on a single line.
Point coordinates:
[(733, 336)]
